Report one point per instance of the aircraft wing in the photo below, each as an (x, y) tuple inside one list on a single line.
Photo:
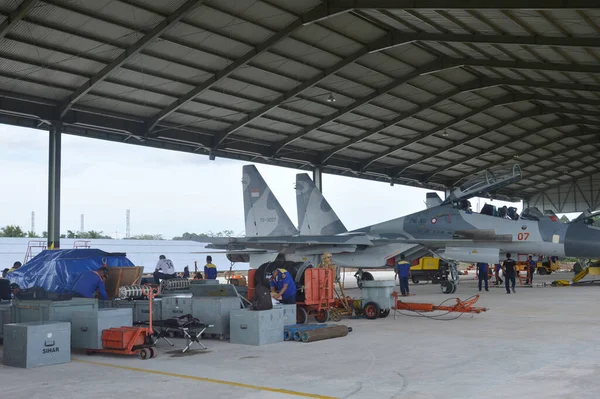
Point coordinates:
[(286, 241)]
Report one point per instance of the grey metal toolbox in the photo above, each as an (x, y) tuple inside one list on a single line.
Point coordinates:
[(289, 313), (37, 344), (87, 327), (176, 305), (26, 311), (102, 304), (212, 304), (256, 327), (141, 308), (215, 311), (5, 316)]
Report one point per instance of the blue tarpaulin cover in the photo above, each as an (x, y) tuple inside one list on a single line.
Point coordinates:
[(58, 270)]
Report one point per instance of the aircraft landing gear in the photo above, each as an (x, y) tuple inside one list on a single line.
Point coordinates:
[(450, 285), (362, 276)]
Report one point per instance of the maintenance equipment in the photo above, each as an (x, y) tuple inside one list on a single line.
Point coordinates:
[(5, 316), (212, 305), (128, 340), (38, 343), (324, 333), (141, 313), (377, 298), (46, 310), (87, 327), (436, 270), (460, 306), (256, 327)]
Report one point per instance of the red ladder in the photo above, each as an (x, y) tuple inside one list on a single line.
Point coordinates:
[(38, 244)]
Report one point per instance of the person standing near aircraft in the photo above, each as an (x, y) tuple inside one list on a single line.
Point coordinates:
[(164, 269), (482, 272), (531, 264), (403, 273), (283, 287), (497, 268), (210, 270), (508, 269)]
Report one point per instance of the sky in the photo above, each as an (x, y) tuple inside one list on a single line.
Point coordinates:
[(168, 192)]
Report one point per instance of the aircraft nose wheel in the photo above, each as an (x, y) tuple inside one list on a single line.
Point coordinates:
[(448, 287)]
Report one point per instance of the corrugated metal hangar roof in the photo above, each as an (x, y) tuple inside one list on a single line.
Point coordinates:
[(424, 93)]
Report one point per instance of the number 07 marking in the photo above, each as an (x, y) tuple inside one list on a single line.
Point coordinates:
[(522, 236)]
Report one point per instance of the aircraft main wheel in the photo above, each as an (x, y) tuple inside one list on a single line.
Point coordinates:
[(383, 313), (322, 316), (368, 276), (454, 287), (541, 271), (301, 316), (371, 310), (144, 353), (447, 287)]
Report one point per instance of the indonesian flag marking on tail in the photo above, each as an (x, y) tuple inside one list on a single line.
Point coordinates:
[(254, 193)]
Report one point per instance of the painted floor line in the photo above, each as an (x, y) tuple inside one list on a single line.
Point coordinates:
[(210, 380)]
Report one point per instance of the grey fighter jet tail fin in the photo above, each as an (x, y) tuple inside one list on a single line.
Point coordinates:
[(315, 216), (432, 199), (263, 213)]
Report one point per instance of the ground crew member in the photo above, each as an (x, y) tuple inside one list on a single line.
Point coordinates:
[(16, 266), (164, 269), (210, 270), (90, 282), (283, 287), (497, 270), (186, 272), (508, 269), (531, 264), (482, 272), (403, 273)]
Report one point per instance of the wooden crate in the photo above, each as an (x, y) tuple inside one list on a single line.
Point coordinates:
[(120, 276)]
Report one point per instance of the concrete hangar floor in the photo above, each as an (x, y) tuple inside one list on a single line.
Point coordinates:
[(537, 343)]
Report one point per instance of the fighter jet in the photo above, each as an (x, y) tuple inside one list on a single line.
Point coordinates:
[(449, 229)]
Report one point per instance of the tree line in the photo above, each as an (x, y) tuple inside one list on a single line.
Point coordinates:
[(17, 231)]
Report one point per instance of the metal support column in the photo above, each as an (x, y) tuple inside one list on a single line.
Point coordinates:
[(54, 161), (318, 178)]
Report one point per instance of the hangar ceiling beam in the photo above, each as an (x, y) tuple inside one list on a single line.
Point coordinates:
[(582, 131), (435, 65), (16, 16), (130, 52), (521, 136), (509, 98), (537, 111), (313, 15), (442, 63), (341, 5), (300, 88), (398, 38)]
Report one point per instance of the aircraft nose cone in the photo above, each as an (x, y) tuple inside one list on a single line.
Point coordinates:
[(582, 241)]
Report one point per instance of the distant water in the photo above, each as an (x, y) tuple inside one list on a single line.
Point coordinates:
[(140, 252)]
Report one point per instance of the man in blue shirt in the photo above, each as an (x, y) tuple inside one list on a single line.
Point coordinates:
[(403, 273), (482, 272), (90, 282), (210, 270), (283, 287)]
